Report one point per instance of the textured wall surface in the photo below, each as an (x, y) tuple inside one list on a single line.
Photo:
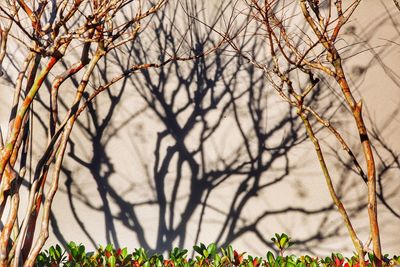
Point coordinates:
[(206, 151)]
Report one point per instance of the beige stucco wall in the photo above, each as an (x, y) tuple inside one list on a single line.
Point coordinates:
[(108, 191)]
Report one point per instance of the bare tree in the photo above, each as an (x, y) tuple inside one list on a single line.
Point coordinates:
[(301, 57), (51, 34)]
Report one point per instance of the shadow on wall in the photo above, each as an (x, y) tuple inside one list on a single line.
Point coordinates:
[(221, 144)]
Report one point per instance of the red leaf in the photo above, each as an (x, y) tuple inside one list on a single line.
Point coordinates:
[(119, 251), (338, 262), (238, 258)]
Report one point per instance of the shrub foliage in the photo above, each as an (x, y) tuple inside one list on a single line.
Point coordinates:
[(206, 256)]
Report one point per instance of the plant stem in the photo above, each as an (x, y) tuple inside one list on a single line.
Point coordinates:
[(356, 241)]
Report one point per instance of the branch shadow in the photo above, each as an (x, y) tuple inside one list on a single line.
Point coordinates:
[(221, 142)]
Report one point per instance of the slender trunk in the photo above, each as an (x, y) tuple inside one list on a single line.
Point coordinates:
[(353, 235), (356, 109)]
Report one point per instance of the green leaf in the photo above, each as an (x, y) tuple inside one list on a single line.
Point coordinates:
[(158, 262), (52, 251), (231, 254), (205, 253), (74, 253), (124, 253), (217, 260), (198, 250), (224, 252), (371, 257), (81, 250), (270, 257), (212, 250), (109, 247), (182, 253), (71, 245), (112, 261), (292, 259), (308, 259), (283, 241)]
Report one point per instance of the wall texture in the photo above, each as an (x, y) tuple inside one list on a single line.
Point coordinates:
[(206, 151)]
